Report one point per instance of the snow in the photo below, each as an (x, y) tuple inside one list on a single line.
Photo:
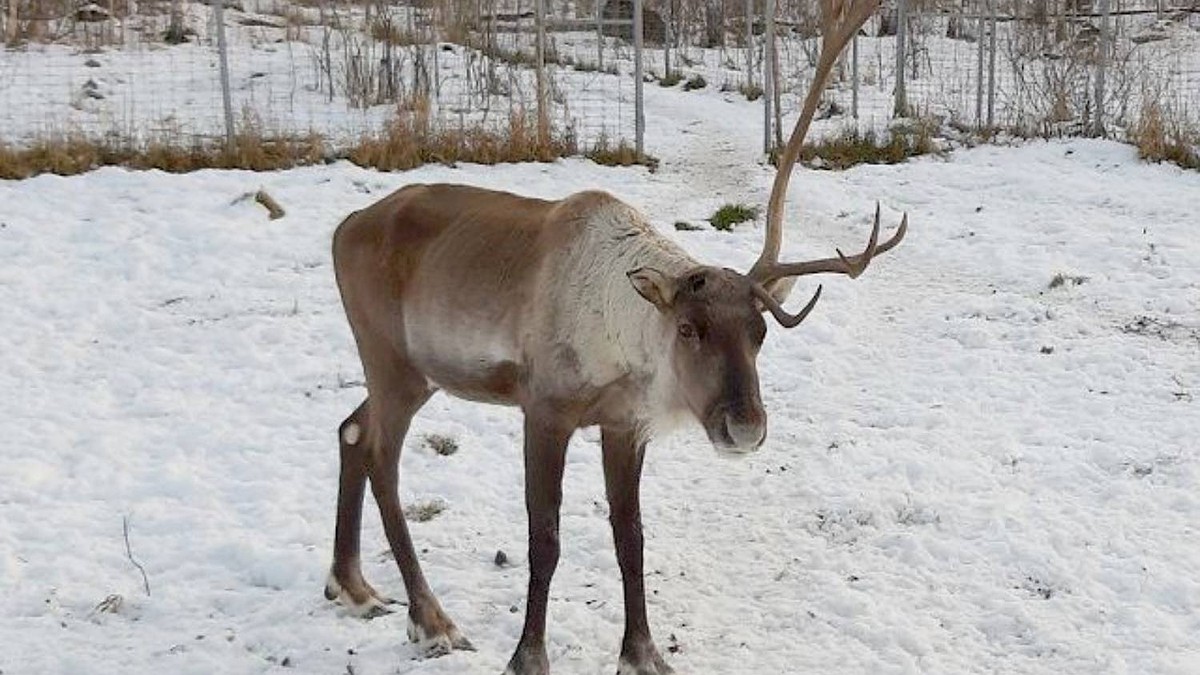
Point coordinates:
[(967, 471)]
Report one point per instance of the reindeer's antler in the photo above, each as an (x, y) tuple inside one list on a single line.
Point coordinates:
[(840, 21)]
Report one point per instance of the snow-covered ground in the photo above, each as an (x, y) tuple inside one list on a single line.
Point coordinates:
[(968, 471)]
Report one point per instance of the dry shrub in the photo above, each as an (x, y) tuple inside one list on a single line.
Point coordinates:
[(1165, 135)]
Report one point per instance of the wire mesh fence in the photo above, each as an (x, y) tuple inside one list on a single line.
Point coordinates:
[(1034, 67), (340, 69)]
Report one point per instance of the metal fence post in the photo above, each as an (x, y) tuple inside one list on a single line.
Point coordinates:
[(768, 76), (979, 69), (639, 101), (991, 113), (900, 109), (10, 28), (854, 77), (600, 34), (1101, 66), (543, 115), (749, 45), (668, 36), (223, 59)]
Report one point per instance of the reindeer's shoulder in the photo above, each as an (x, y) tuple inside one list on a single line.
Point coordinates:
[(597, 211), (588, 205)]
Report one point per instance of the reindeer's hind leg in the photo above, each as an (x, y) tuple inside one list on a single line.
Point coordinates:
[(397, 392), (346, 583)]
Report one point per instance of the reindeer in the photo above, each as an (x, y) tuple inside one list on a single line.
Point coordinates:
[(577, 312)]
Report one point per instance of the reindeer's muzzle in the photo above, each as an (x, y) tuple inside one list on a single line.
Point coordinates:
[(746, 435), (737, 430)]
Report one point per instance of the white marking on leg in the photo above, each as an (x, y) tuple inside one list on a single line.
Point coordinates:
[(430, 646), (352, 433), (625, 667), (354, 608), (332, 587)]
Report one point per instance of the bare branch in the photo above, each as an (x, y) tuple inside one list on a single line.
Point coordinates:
[(129, 554)]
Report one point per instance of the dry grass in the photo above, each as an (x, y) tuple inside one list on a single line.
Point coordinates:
[(695, 82), (853, 146), (670, 79), (1063, 279), (441, 444), (607, 153), (1162, 135), (425, 511), (68, 154), (411, 139)]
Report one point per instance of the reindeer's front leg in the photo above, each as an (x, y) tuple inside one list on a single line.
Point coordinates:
[(546, 440), (623, 453)]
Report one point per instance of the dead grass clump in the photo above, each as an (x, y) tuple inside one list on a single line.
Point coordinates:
[(1162, 136), (670, 79), (425, 511), (853, 147), (68, 154), (64, 156), (441, 444), (752, 92), (1061, 279), (622, 153)]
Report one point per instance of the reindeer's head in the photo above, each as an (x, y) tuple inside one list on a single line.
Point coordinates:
[(717, 313), (717, 333)]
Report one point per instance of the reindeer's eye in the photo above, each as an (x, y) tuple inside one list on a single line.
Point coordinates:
[(687, 331), (696, 281)]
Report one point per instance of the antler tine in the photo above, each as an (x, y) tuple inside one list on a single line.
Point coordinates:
[(840, 21), (856, 268), (786, 320), (851, 266)]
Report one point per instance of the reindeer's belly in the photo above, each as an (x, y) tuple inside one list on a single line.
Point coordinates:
[(493, 382), (466, 344)]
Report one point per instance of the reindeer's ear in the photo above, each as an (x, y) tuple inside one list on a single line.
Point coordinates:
[(654, 286)]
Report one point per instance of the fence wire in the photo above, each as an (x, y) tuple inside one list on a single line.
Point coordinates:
[(150, 70)]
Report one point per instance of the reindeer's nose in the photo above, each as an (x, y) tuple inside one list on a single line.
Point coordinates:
[(748, 431)]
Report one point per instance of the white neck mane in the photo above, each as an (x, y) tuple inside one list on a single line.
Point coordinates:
[(614, 330)]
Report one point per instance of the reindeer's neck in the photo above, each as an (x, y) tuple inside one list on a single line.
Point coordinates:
[(616, 333)]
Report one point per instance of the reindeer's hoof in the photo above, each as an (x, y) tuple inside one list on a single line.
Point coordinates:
[(644, 661), (528, 661), (436, 635), (660, 668), (358, 598)]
